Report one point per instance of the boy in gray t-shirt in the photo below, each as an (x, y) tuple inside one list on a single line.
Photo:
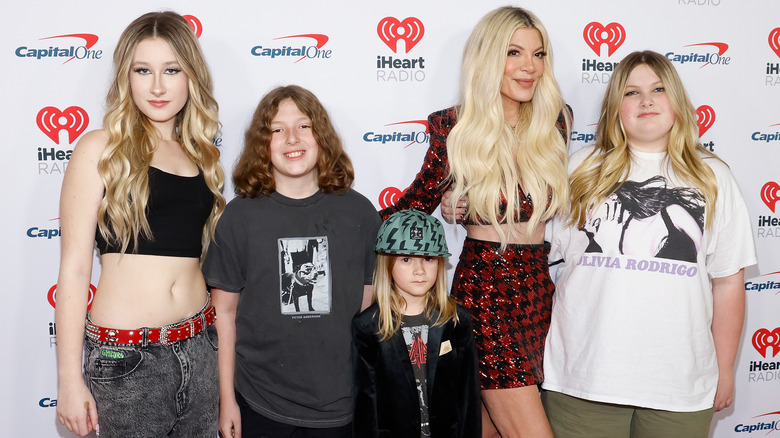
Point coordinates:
[(291, 264)]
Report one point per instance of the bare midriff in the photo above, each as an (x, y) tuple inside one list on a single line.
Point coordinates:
[(138, 290), (520, 235)]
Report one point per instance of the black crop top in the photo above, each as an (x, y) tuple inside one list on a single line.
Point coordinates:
[(177, 210)]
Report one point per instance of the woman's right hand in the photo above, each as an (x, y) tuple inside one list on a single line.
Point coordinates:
[(447, 212), (76, 408), (229, 418)]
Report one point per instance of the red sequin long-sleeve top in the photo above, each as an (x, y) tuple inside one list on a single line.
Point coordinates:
[(432, 180)]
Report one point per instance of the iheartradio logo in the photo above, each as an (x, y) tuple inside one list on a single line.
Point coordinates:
[(52, 296), (195, 24), (390, 30), (595, 34), (770, 193), (73, 119), (774, 40), (389, 196), (705, 118), (763, 338)]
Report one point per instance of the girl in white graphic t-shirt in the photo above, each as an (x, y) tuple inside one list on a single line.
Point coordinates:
[(650, 299)]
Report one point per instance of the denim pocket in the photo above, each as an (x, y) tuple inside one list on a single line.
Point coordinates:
[(213, 338), (105, 363)]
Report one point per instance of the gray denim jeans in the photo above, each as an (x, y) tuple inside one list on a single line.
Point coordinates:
[(155, 391)]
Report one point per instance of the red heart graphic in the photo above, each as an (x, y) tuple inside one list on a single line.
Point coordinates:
[(774, 40), (705, 118), (51, 121), (389, 196), (763, 338), (612, 34), (770, 193), (390, 30), (195, 24)]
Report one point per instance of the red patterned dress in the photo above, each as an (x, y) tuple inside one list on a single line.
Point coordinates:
[(508, 294)]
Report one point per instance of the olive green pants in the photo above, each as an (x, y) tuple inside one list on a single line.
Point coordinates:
[(572, 417)]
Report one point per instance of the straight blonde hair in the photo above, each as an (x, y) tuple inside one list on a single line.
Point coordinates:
[(391, 303), (604, 171)]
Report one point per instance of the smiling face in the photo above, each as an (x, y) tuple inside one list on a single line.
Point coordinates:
[(294, 151), (414, 276), (524, 66), (646, 113), (158, 85)]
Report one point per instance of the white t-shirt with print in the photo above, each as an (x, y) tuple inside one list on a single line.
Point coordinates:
[(632, 311)]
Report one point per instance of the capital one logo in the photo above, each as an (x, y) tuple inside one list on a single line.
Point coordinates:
[(770, 193), (73, 119), (52, 296), (410, 30), (763, 338), (595, 34), (774, 40), (705, 118), (195, 24), (722, 47), (413, 122), (89, 41)]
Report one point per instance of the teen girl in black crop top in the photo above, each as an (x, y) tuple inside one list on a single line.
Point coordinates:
[(147, 186), (177, 210)]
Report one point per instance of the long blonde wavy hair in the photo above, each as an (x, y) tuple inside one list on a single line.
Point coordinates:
[(124, 164), (605, 170), (391, 304), (487, 158)]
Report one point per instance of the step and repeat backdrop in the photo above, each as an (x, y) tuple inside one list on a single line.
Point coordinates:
[(380, 68)]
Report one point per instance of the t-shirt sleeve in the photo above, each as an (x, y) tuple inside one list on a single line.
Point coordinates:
[(373, 221), (557, 228), (732, 248), (552, 231), (222, 267)]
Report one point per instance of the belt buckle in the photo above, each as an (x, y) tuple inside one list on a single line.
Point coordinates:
[(164, 336)]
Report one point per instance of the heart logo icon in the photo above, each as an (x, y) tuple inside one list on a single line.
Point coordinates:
[(73, 119), (763, 338), (774, 40), (389, 196), (770, 193), (613, 35), (705, 118), (195, 24), (390, 30)]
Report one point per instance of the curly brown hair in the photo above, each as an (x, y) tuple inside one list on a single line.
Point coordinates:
[(254, 172)]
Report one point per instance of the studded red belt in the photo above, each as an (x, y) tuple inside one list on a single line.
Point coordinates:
[(157, 335)]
